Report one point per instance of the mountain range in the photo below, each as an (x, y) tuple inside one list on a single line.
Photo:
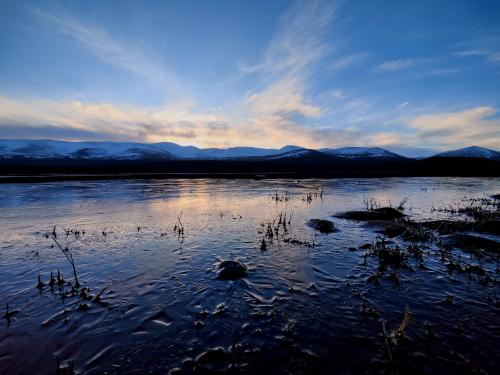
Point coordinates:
[(49, 149)]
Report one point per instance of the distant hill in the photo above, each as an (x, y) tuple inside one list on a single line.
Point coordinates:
[(49, 149), (361, 152), (471, 152)]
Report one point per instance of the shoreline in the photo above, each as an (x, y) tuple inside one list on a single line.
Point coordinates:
[(55, 177)]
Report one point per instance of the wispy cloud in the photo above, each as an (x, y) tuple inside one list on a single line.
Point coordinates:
[(445, 71), (300, 38), (399, 64), (99, 42), (300, 41), (283, 98), (474, 126), (490, 56), (348, 61)]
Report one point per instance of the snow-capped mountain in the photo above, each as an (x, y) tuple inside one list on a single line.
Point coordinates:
[(471, 152), (297, 153), (46, 149), (357, 152)]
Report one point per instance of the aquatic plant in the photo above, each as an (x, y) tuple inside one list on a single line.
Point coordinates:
[(40, 284), (370, 203), (263, 245), (69, 256), (402, 203), (9, 313), (393, 338), (179, 227), (277, 196)]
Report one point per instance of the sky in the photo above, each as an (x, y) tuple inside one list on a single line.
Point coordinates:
[(409, 76)]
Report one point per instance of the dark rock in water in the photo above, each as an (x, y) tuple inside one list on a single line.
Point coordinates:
[(471, 242), (387, 227), (324, 226), (382, 213), (496, 196), (231, 270)]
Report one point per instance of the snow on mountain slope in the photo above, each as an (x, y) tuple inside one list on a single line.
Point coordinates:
[(125, 150), (360, 152), (80, 150), (239, 152), (301, 153), (471, 152)]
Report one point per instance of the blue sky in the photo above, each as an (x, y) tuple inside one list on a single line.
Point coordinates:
[(401, 75)]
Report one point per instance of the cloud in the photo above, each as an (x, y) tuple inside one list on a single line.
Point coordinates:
[(403, 104), (348, 61), (284, 97), (281, 99), (474, 126), (400, 64), (489, 56), (262, 126), (445, 72), (99, 42), (333, 94), (300, 38), (77, 120)]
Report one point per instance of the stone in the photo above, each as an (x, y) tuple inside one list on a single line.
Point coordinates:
[(324, 226), (231, 270)]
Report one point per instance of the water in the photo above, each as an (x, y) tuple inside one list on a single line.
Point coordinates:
[(300, 309)]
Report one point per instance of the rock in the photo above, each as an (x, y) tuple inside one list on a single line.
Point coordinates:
[(496, 196), (383, 213), (231, 270), (324, 226)]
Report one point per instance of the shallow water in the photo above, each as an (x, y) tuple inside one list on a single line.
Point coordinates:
[(300, 309)]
